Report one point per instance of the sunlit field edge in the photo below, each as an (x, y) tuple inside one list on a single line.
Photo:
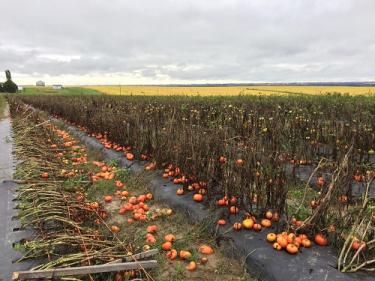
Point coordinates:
[(230, 90)]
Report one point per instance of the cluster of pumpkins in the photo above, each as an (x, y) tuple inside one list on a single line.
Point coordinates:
[(105, 173), (185, 255), (136, 206), (292, 243), (78, 153), (250, 222)]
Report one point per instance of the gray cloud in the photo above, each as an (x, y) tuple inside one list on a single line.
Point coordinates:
[(166, 41)]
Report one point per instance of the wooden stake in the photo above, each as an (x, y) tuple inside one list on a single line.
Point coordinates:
[(82, 270)]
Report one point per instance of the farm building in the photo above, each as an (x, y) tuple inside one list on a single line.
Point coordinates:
[(20, 88), (40, 83), (57, 87)]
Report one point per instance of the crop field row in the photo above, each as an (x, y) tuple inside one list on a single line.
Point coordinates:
[(230, 90), (86, 212), (234, 151)]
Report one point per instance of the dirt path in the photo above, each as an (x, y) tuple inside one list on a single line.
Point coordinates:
[(6, 159), (6, 195), (7, 206)]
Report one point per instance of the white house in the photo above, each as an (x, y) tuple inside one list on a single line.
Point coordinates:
[(20, 88), (57, 87), (40, 83)]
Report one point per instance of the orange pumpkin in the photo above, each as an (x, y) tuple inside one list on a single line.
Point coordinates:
[(277, 246), (257, 227), (313, 204), (119, 184), (94, 205), (44, 175), (169, 238), (222, 202), (306, 243), (124, 193), (269, 215), (320, 181), (237, 226), (205, 249), (233, 210), (221, 222), (185, 254), (233, 200), (292, 249), (108, 198), (150, 238), (133, 200), (222, 159), (166, 246), (180, 191), (276, 217), (343, 199), (357, 244), (129, 156), (239, 162), (290, 237), (204, 260), (282, 241), (321, 240), (266, 223), (248, 223), (191, 266), (297, 241), (271, 237), (152, 228), (141, 198), (172, 254), (198, 197), (115, 229)]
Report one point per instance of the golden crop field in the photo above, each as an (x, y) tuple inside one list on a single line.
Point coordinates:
[(231, 90)]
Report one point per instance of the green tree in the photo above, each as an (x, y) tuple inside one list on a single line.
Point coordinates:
[(9, 86)]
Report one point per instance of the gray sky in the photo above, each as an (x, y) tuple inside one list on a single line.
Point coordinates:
[(187, 41)]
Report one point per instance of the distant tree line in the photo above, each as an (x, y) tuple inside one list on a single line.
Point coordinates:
[(8, 86)]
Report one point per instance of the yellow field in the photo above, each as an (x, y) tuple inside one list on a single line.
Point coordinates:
[(231, 90)]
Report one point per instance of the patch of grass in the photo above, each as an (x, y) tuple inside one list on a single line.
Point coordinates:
[(113, 163), (123, 174), (69, 91), (100, 188), (295, 196), (180, 270), (2, 105)]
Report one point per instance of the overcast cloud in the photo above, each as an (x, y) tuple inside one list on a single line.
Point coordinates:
[(187, 41)]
